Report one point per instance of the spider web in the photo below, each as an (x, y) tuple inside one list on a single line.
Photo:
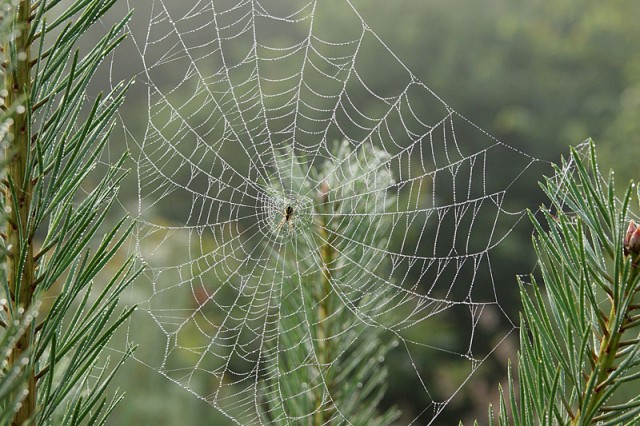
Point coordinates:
[(280, 168)]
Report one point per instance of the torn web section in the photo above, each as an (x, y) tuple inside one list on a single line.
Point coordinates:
[(294, 200)]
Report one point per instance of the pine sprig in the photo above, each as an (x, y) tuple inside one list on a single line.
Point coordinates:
[(53, 240), (579, 339), (328, 362)]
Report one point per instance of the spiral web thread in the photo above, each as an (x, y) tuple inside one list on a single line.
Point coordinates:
[(246, 101)]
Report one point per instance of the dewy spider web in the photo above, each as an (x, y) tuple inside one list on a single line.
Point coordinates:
[(294, 205)]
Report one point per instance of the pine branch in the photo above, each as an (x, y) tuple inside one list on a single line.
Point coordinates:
[(326, 366), (20, 264), (58, 139), (578, 341)]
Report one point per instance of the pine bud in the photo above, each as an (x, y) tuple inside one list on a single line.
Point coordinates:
[(324, 192), (632, 239)]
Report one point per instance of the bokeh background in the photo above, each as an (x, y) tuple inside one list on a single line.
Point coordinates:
[(539, 76)]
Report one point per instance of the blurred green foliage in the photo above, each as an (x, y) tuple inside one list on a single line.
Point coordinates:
[(537, 75)]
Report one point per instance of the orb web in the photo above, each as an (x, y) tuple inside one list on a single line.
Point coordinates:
[(296, 208)]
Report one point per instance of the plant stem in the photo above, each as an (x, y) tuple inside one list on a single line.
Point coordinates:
[(20, 262), (607, 352), (327, 257)]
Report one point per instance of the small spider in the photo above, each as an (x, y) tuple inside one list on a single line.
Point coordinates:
[(288, 214)]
